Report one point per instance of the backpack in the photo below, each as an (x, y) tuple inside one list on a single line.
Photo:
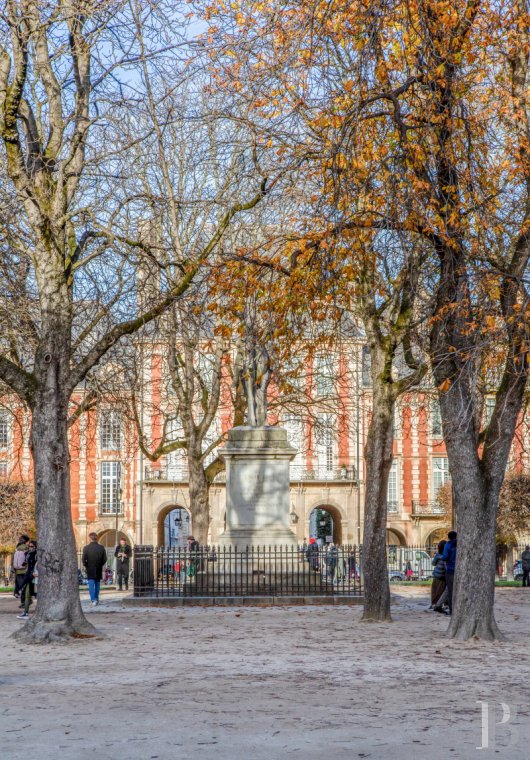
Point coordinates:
[(19, 560)]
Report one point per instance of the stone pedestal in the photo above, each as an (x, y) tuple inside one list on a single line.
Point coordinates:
[(257, 488)]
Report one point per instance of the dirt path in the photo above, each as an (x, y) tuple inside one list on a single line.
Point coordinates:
[(265, 684)]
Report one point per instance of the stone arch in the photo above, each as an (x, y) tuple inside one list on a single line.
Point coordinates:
[(337, 517), (108, 538), (161, 517), (434, 535), (319, 503), (395, 537)]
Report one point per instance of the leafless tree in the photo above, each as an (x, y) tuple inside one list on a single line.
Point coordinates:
[(71, 239)]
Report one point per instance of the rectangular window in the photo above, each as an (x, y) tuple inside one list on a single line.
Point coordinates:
[(176, 461), (111, 488), (326, 444), (440, 474), (436, 419), (210, 437), (295, 436), (392, 490), (294, 373), (110, 430), (206, 368), (4, 430), (324, 375), (3, 469)]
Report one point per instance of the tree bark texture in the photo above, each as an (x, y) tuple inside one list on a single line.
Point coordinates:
[(476, 498), (378, 456), (477, 464), (199, 502), (58, 614)]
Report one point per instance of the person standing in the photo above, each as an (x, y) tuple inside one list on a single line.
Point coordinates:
[(28, 589), (19, 564), (312, 555), (525, 562), (94, 558), (352, 561), (332, 557), (123, 555), (438, 577), (195, 561), (449, 557)]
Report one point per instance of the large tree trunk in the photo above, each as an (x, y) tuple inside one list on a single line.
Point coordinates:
[(378, 455), (476, 499), (477, 474), (199, 502), (474, 588), (58, 614)]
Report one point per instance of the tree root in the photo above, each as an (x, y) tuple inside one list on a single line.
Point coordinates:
[(373, 618), (467, 628), (55, 631)]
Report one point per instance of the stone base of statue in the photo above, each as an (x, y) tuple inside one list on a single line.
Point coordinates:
[(264, 580), (257, 488)]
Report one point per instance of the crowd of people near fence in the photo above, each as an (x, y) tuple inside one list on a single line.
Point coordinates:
[(24, 570), (337, 564)]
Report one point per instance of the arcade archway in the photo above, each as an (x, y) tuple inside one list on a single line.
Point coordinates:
[(435, 536), (174, 527), (395, 538), (110, 539), (325, 524)]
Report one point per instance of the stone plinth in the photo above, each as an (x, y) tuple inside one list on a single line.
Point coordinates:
[(257, 487)]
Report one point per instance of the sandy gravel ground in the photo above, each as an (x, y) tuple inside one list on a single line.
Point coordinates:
[(266, 684)]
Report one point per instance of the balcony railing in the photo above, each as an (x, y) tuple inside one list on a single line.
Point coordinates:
[(297, 473), (300, 472), (392, 507), (170, 473), (427, 509)]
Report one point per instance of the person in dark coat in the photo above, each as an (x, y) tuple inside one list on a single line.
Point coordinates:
[(28, 589), (525, 562), (449, 557), (195, 563), (332, 558), (94, 558), (123, 555), (312, 555)]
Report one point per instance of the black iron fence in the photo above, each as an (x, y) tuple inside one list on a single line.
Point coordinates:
[(280, 571), (256, 571), (415, 562)]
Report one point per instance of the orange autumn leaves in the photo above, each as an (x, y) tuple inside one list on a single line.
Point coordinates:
[(405, 117)]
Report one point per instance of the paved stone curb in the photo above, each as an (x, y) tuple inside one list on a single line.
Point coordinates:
[(238, 601)]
